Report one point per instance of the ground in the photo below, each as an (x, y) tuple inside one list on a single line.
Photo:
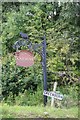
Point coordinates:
[(37, 112)]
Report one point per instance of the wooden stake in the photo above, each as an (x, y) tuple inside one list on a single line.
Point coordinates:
[(54, 89)]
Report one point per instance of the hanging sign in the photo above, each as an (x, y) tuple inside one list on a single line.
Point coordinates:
[(53, 94), (24, 58)]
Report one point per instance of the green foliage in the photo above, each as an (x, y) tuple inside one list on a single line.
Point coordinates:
[(62, 36), (30, 99), (70, 96), (18, 79)]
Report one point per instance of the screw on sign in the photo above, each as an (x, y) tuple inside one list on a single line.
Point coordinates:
[(24, 58)]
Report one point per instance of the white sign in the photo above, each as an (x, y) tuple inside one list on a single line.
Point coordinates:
[(53, 94)]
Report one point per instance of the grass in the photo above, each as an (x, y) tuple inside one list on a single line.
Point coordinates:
[(37, 112)]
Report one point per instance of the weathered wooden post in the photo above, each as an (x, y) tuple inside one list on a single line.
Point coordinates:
[(54, 90)]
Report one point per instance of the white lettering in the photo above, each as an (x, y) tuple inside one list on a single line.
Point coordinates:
[(25, 59)]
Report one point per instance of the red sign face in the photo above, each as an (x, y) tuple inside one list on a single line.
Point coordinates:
[(24, 58)]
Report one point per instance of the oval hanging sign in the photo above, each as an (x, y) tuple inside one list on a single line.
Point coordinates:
[(24, 58)]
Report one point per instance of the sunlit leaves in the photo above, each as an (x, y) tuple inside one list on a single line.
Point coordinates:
[(62, 37)]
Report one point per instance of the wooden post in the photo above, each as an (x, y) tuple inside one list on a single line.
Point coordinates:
[(54, 89)]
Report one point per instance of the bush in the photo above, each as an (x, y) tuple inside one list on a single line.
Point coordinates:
[(70, 96), (30, 99)]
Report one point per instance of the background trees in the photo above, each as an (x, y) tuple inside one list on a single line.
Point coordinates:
[(62, 27)]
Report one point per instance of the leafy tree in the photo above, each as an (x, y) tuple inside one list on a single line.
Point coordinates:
[(62, 28)]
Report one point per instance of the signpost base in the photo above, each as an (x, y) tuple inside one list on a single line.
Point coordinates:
[(45, 100)]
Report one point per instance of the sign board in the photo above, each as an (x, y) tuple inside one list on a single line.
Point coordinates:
[(53, 94), (24, 58)]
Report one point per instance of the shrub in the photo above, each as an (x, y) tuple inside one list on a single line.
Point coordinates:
[(30, 99)]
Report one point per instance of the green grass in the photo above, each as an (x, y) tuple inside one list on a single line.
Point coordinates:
[(37, 112)]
